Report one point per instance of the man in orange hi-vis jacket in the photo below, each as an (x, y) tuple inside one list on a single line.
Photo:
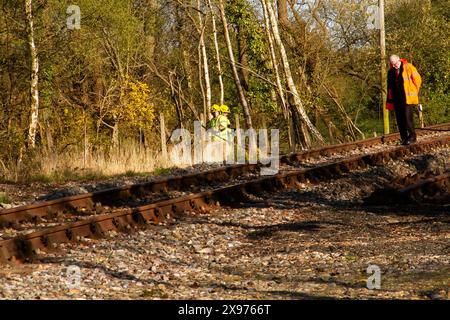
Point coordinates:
[(403, 96)]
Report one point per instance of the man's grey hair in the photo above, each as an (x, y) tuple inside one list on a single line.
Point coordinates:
[(394, 56)]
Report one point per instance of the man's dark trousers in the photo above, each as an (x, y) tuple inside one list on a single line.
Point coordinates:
[(405, 121)]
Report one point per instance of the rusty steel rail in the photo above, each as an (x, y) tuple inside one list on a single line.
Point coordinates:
[(24, 247), (94, 201), (333, 149)]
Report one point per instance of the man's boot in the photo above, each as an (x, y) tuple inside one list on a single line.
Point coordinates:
[(411, 139)]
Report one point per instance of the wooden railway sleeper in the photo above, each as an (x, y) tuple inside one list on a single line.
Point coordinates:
[(45, 240), (255, 189), (69, 234), (158, 213), (177, 209), (96, 229), (137, 216), (289, 182), (23, 249), (193, 204)]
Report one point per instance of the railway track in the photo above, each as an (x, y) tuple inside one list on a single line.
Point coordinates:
[(24, 246), (137, 194)]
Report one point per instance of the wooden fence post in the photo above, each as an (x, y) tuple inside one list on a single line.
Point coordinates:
[(266, 136), (293, 146), (238, 127), (163, 137), (421, 116)]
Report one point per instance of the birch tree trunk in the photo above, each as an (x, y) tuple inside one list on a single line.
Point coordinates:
[(297, 103), (200, 79), (280, 91), (216, 46), (34, 92), (237, 82), (202, 25), (273, 58)]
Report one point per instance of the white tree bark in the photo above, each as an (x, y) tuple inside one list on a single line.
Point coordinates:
[(274, 63), (34, 92), (202, 25), (280, 90), (287, 71), (200, 79), (216, 46), (237, 82)]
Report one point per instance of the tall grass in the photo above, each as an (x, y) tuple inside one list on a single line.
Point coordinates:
[(76, 164), (128, 160)]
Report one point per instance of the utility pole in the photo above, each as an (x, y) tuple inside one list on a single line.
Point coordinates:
[(383, 66)]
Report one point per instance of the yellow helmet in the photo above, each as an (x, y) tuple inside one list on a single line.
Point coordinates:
[(224, 108), (216, 107)]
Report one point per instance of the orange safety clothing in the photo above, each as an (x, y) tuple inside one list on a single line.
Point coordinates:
[(411, 83)]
